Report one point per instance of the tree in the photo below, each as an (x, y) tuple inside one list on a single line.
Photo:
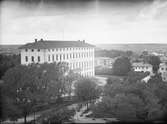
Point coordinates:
[(28, 86), (121, 66), (7, 62), (133, 76), (154, 61), (121, 106), (129, 101), (57, 116), (86, 89)]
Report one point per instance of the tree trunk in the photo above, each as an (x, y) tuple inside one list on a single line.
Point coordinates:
[(34, 117), (25, 119)]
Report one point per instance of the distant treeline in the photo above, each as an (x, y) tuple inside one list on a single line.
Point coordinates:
[(112, 53)]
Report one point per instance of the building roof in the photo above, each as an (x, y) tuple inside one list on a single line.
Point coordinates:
[(46, 44), (141, 64), (163, 64)]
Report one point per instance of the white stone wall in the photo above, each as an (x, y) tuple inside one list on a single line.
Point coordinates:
[(81, 59)]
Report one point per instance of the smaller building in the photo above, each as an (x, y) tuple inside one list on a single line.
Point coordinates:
[(163, 59), (142, 67), (163, 71), (104, 62)]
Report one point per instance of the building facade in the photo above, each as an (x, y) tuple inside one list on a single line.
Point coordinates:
[(163, 71), (78, 54), (104, 62), (142, 67)]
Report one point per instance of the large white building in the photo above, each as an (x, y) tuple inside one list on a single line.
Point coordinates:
[(78, 54)]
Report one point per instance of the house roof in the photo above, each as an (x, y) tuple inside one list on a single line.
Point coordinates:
[(46, 44), (163, 64), (141, 64)]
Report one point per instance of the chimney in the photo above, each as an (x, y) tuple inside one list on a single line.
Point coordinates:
[(41, 39), (36, 40)]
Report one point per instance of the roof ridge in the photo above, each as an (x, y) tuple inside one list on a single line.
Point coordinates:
[(45, 44)]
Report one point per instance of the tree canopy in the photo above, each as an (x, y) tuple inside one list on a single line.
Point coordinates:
[(154, 61), (121, 66), (86, 89), (27, 86), (7, 62), (129, 101)]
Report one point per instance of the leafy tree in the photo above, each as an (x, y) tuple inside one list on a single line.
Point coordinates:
[(154, 61), (129, 53), (130, 101), (133, 76), (121, 66), (121, 106), (7, 62), (57, 116), (28, 86), (86, 89)]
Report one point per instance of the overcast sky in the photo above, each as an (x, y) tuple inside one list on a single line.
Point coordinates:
[(98, 21)]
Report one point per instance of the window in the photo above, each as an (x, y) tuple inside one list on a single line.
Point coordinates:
[(26, 58), (48, 57), (38, 50), (26, 50), (32, 58), (56, 57), (38, 58), (162, 68), (32, 50), (49, 50), (53, 58), (73, 55), (52, 49), (67, 56), (63, 56), (60, 57)]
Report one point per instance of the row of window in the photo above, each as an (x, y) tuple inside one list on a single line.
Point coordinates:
[(72, 65), (81, 65), (68, 56), (164, 69), (141, 67), (32, 50), (32, 59), (61, 49)]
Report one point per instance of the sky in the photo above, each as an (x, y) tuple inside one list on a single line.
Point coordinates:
[(95, 21)]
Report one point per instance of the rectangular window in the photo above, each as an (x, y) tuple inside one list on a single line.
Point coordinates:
[(38, 50), (32, 58), (38, 58), (48, 57), (32, 50), (26, 58), (52, 49), (56, 57), (67, 56), (26, 50), (60, 57), (53, 58)]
